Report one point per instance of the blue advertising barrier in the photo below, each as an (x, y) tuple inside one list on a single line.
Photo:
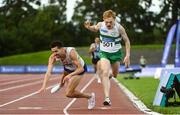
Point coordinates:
[(174, 32), (12, 69), (168, 45), (35, 69), (57, 69), (177, 52)]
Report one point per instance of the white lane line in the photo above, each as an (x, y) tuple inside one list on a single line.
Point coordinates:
[(19, 86), (67, 107), (21, 98), (136, 102), (7, 83), (25, 108)]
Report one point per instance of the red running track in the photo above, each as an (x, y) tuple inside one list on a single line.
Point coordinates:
[(18, 96)]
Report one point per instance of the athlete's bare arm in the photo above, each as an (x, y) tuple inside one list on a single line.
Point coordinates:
[(90, 27), (48, 72), (127, 45), (63, 76), (79, 69), (92, 48)]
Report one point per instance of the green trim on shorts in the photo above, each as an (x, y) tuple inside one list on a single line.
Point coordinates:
[(112, 57)]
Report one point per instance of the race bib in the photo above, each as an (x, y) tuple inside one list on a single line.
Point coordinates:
[(107, 42), (109, 45)]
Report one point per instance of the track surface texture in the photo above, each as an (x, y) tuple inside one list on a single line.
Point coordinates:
[(18, 96)]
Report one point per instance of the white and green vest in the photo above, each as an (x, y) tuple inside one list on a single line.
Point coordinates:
[(110, 39)]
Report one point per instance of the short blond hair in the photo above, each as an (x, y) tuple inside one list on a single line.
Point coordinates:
[(108, 14)]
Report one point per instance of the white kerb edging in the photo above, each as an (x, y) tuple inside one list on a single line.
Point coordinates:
[(136, 101)]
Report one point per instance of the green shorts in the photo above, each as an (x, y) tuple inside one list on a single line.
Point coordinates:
[(112, 57)]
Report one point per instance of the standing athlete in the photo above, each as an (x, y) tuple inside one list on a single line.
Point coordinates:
[(111, 33), (74, 68), (94, 51)]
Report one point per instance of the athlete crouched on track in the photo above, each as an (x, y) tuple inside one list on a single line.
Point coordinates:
[(74, 68)]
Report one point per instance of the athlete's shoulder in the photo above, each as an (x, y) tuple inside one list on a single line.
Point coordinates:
[(100, 22), (117, 24), (92, 44), (51, 59), (70, 48)]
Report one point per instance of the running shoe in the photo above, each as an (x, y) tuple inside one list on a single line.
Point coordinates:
[(55, 88), (91, 101), (107, 101)]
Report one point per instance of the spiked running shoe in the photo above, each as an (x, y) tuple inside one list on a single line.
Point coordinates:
[(91, 101), (107, 102)]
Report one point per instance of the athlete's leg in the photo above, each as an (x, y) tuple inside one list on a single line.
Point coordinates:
[(98, 68), (105, 68), (115, 68), (96, 75), (71, 91)]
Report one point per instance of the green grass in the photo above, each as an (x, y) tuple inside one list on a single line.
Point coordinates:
[(38, 58), (41, 58), (145, 89)]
